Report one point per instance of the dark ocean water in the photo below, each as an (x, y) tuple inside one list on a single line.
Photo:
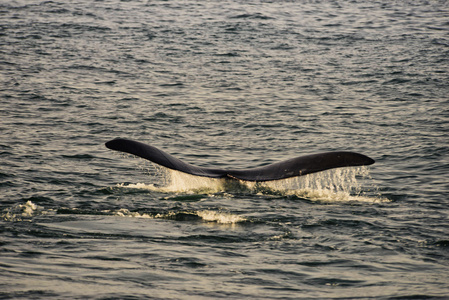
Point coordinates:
[(226, 84)]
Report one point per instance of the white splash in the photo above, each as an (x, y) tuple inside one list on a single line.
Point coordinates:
[(20, 212), (220, 217), (340, 184), (28, 208), (126, 213), (334, 185), (139, 185), (182, 182)]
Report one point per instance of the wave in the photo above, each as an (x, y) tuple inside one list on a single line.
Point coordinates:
[(25, 212), (201, 215)]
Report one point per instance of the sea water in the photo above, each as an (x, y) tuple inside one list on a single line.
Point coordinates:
[(223, 84)]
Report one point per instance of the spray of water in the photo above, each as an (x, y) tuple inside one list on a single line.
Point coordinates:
[(342, 184), (20, 212)]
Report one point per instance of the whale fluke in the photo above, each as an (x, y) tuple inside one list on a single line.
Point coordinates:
[(298, 166)]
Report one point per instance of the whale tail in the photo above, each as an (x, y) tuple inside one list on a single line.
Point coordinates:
[(298, 166)]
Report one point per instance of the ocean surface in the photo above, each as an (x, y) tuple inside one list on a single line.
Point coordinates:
[(223, 84)]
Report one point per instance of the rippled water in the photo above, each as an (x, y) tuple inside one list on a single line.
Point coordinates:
[(223, 84)]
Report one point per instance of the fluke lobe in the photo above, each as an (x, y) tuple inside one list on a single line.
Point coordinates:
[(298, 166)]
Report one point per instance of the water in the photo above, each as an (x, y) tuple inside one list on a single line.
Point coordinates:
[(223, 84)]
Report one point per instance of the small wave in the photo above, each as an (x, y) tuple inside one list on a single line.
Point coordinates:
[(325, 195), (203, 215), (207, 216), (254, 16)]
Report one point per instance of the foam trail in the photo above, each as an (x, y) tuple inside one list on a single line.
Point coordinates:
[(208, 216)]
